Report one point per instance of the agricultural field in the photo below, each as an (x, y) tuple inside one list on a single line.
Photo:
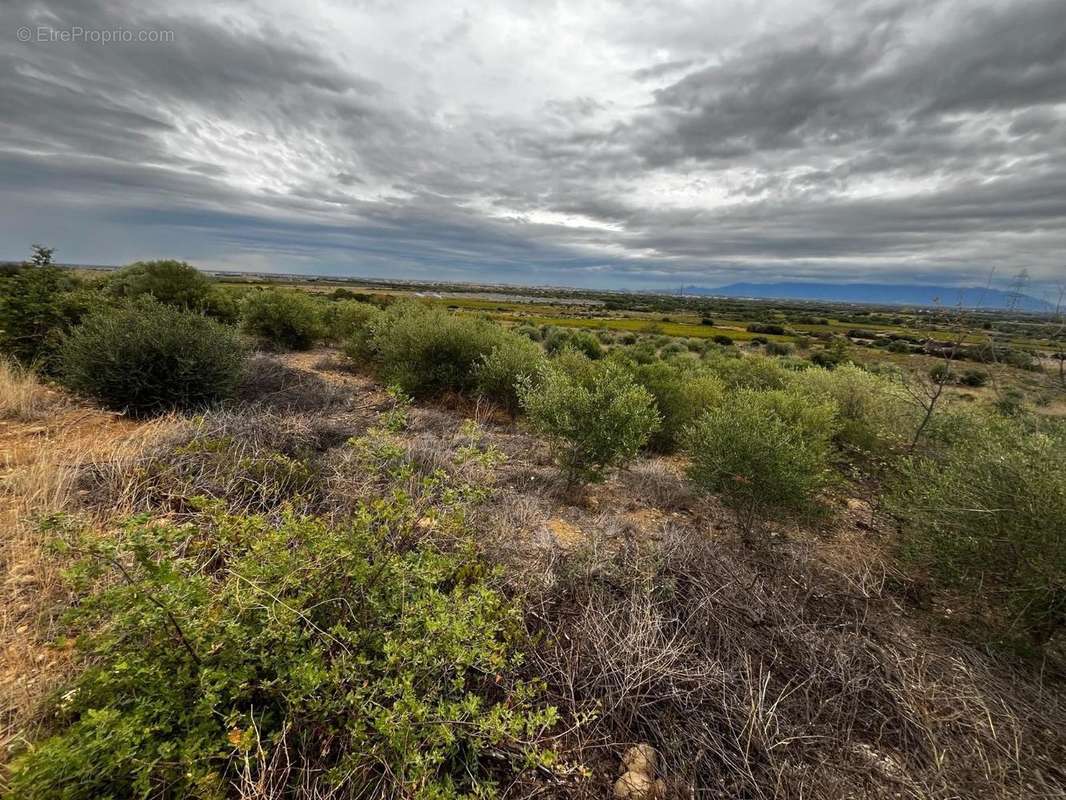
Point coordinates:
[(307, 539)]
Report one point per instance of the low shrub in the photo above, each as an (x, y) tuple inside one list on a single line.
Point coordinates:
[(593, 413), (748, 372), (673, 350), (974, 377), (344, 319), (145, 358), (173, 283), (681, 394), (942, 373), (426, 350), (873, 412), (762, 451), (581, 341), (722, 339), (513, 361), (986, 514), (778, 349), (827, 358), (287, 319), (768, 328), (38, 305), (242, 653)]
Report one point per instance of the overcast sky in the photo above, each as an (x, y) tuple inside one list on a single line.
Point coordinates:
[(637, 144)]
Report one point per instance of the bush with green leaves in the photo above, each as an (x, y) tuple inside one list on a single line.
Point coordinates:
[(426, 350), (873, 412), (38, 304), (682, 393), (985, 512), (582, 342), (779, 349), (593, 413), (513, 361), (145, 358), (344, 319), (748, 372), (287, 319), (173, 283), (762, 451), (974, 377), (354, 658)]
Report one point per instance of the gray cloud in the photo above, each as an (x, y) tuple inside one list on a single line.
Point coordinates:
[(877, 140)]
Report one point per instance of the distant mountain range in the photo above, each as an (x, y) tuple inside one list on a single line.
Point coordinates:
[(881, 294)]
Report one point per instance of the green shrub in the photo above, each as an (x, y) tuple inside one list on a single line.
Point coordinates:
[(530, 332), (172, 283), (942, 373), (673, 349), (427, 350), (762, 451), (582, 341), (873, 412), (767, 328), (986, 514), (38, 304), (778, 349), (513, 361), (681, 395), (974, 377), (344, 319), (593, 413), (351, 663), (748, 372), (722, 339), (145, 358), (287, 319)]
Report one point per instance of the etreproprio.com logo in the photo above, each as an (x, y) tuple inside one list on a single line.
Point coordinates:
[(77, 34)]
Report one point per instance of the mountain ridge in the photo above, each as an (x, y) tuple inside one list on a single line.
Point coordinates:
[(881, 294)]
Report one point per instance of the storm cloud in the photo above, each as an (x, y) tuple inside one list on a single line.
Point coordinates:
[(597, 144)]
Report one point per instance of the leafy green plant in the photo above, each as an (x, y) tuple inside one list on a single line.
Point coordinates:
[(748, 372), (145, 358), (873, 412), (38, 304), (173, 283), (355, 657), (583, 342), (593, 413), (395, 418), (287, 319), (682, 393), (426, 350), (762, 451), (985, 512), (974, 378), (343, 319), (514, 360)]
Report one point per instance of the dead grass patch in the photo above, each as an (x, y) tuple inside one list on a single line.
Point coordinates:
[(763, 675), (22, 396)]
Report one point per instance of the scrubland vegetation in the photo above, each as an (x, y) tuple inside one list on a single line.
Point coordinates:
[(445, 555)]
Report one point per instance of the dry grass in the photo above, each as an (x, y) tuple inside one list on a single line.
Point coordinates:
[(765, 675), (22, 397), (41, 476)]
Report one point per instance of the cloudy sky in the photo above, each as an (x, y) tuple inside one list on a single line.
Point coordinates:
[(638, 143)]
